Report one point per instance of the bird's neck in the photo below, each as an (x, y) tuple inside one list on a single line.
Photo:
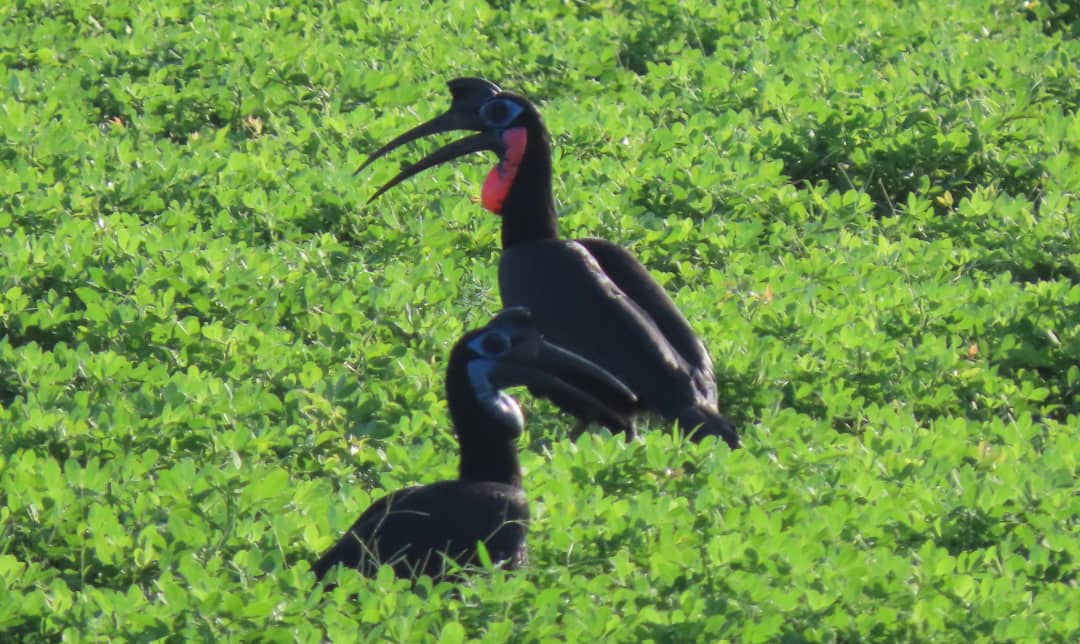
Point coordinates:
[(486, 432), (528, 211), (490, 460)]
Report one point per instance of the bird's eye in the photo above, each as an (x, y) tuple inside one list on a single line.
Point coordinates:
[(499, 112), (494, 344)]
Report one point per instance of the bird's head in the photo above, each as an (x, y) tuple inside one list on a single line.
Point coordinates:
[(510, 352), (506, 124)]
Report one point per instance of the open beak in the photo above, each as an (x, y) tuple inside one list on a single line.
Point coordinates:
[(468, 94)]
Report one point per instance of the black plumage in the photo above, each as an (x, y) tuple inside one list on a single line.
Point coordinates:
[(418, 529), (589, 295)]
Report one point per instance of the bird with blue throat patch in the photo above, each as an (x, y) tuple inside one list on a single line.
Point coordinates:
[(437, 529)]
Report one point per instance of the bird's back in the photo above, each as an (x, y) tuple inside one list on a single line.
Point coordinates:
[(411, 529), (577, 306)]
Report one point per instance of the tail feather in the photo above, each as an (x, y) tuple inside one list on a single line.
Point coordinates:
[(700, 422)]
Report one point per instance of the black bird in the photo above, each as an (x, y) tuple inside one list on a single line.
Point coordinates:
[(588, 295), (412, 529)]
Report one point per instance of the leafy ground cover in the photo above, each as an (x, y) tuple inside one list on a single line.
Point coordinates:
[(213, 356)]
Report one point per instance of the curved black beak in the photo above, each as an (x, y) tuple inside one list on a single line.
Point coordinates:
[(468, 95), (541, 364), (474, 143)]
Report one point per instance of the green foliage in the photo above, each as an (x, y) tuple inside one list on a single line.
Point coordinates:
[(213, 355)]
